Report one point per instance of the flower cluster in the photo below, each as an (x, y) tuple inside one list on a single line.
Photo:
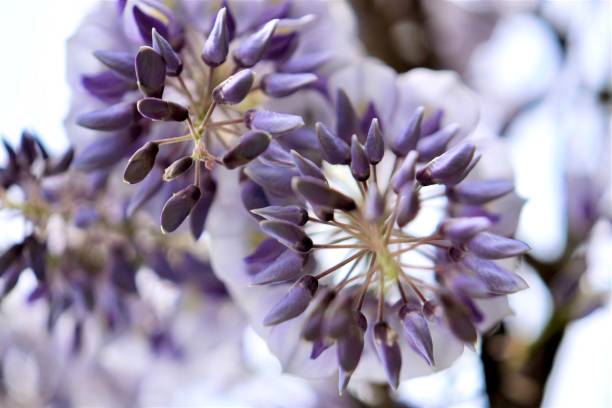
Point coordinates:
[(83, 252), (206, 85), (386, 282)]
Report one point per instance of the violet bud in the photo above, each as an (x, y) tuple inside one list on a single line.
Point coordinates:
[(407, 140), (199, 213), (251, 49), (432, 123), (333, 149), (272, 122), (349, 348), (178, 207), (491, 246), (341, 316), (113, 117), (286, 267), (294, 303), (346, 118), (141, 163), (478, 192), (464, 228), (278, 85), (360, 165), (104, 152), (62, 164), (150, 72), (288, 234), (177, 168), (158, 109), (12, 255), (306, 167), (417, 333), (147, 19), (498, 280), (216, 46), (446, 167), (458, 319), (174, 65), (375, 145), (235, 88), (434, 145), (273, 178), (249, 146), (389, 353), (145, 190), (291, 213), (374, 205), (409, 205), (119, 62), (35, 252), (319, 193), (405, 174)]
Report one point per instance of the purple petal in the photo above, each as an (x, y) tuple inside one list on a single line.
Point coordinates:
[(346, 118), (150, 72), (307, 167), (306, 62), (405, 174), (491, 246), (319, 193), (104, 151), (291, 213), (360, 165), (174, 65), (464, 228), (147, 22), (235, 88), (114, 117), (178, 207), (288, 234), (279, 84), (145, 191), (252, 49), (375, 145), (119, 62), (158, 109), (409, 205), (333, 149), (272, 122), (288, 266), (216, 46), (107, 86), (199, 213), (478, 192), (498, 280), (447, 166), (407, 140), (389, 353), (435, 144), (294, 303), (418, 334), (249, 146)]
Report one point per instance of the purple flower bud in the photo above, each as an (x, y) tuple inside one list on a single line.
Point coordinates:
[(294, 303), (491, 246), (114, 117), (174, 65), (464, 228), (360, 165), (216, 46), (119, 62), (432, 123), (374, 205), (341, 316), (177, 168), (251, 49), (305, 62), (346, 118), (333, 149), (447, 166), (407, 140), (141, 163), (278, 85), (288, 234), (35, 253), (375, 145), (458, 319), (409, 205), (158, 109), (199, 213), (478, 192), (287, 266), (307, 167), (291, 213), (406, 172), (178, 207), (389, 353), (150, 72), (62, 164), (313, 325), (497, 280), (272, 122), (235, 88), (349, 348), (435, 144), (417, 333), (319, 193), (365, 122), (249, 146), (10, 256)]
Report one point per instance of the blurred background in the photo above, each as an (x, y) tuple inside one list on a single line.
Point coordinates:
[(543, 72)]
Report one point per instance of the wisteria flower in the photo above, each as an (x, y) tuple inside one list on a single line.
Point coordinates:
[(182, 88), (364, 267)]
